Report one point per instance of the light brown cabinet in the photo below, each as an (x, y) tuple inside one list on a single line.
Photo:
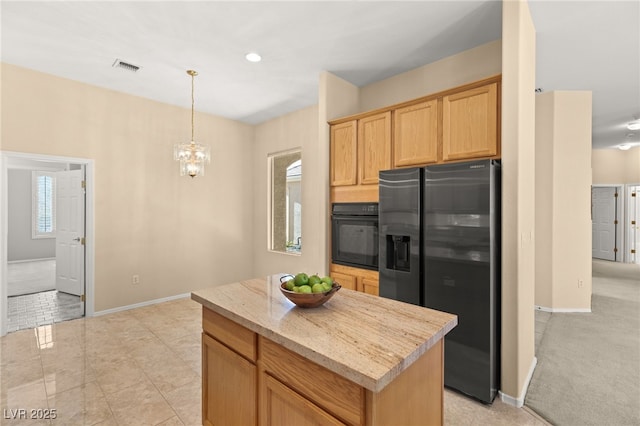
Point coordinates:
[(344, 154), (470, 123), (363, 280), (459, 124), (281, 387), (283, 406), (226, 374), (415, 137), (310, 391), (374, 147), (345, 280), (359, 149), (370, 286)]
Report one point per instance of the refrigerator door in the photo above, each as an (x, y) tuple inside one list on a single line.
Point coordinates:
[(461, 270), (399, 234)]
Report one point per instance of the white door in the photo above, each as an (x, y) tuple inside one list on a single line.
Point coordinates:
[(603, 209), (633, 201), (70, 232)]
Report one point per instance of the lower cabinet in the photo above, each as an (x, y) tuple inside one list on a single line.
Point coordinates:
[(327, 394), (363, 280), (283, 406), (229, 384), (250, 380)]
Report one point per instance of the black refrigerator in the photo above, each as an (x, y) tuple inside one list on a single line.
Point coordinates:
[(439, 233)]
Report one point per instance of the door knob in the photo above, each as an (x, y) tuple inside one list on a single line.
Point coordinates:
[(77, 239)]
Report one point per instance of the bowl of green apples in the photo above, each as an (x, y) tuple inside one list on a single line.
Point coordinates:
[(308, 291)]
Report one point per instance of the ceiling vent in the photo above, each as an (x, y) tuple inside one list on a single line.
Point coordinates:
[(125, 65)]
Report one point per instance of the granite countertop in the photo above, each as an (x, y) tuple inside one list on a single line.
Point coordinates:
[(369, 340)]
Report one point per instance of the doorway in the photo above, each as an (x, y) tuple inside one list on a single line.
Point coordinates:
[(52, 280), (604, 221)]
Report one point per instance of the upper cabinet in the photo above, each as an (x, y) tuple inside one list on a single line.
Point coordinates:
[(374, 146), (344, 153), (415, 137), (360, 148), (470, 123), (453, 125)]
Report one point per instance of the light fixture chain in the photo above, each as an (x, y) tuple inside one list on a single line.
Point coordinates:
[(192, 107)]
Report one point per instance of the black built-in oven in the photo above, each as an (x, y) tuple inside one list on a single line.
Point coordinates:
[(354, 234)]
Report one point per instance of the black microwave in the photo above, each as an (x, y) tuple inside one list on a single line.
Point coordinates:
[(354, 235)]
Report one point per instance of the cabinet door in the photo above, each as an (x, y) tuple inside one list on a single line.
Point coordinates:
[(346, 281), (283, 406), (344, 154), (416, 134), (228, 386), (370, 286), (374, 145), (470, 123)]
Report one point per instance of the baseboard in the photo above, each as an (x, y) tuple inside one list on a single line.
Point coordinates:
[(562, 310), (30, 260), (141, 304), (519, 401)]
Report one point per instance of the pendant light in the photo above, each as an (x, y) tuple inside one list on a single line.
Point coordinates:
[(191, 155)]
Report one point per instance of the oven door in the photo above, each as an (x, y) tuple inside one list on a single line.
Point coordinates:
[(354, 241)]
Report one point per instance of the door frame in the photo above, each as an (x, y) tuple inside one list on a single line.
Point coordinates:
[(620, 210), (627, 219), (6, 158)]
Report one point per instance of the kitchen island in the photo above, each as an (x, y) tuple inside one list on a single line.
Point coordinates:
[(358, 359)]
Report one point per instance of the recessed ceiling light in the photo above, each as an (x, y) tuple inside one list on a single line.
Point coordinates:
[(634, 125), (624, 146), (253, 57)]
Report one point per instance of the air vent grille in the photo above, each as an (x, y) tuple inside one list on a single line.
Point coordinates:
[(125, 65)]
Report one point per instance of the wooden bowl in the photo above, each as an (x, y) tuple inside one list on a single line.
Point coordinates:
[(309, 300)]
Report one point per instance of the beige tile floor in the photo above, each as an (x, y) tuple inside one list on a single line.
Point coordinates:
[(139, 367)]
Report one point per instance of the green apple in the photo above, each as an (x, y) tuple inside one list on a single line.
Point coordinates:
[(314, 279), (304, 289), (327, 280), (318, 288), (301, 279), (289, 285)]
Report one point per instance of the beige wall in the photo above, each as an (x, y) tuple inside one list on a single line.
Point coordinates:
[(613, 166), (465, 67), (337, 98), (177, 233), (544, 197), (295, 130), (518, 198), (563, 200)]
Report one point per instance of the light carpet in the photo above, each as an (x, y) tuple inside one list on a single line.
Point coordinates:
[(588, 370), (31, 277)]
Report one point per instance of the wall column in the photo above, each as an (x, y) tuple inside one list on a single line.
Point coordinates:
[(518, 200)]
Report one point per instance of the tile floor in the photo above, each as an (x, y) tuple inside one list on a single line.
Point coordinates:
[(48, 307), (141, 367)]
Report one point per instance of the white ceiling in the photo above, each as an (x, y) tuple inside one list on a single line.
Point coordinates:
[(581, 45)]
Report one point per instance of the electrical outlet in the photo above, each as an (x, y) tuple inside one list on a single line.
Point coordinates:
[(580, 283), (135, 279)]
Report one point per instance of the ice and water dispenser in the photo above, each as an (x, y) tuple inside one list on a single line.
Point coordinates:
[(398, 252)]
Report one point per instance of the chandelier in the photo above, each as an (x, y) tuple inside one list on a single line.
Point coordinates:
[(191, 155)]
